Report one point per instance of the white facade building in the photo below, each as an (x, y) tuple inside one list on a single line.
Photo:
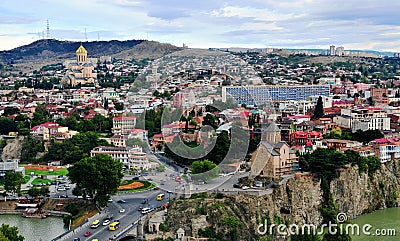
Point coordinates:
[(363, 119), (131, 157)]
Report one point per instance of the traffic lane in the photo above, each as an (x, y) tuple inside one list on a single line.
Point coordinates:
[(133, 201)]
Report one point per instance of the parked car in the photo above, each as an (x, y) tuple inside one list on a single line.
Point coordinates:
[(77, 239), (87, 234), (237, 185), (121, 201), (245, 187), (122, 210), (144, 201)]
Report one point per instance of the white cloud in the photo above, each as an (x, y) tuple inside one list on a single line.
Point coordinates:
[(280, 23)]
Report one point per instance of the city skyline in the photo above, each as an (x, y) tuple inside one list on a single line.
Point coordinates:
[(366, 25)]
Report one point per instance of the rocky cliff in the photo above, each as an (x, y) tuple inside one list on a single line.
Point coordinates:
[(13, 149), (299, 201)]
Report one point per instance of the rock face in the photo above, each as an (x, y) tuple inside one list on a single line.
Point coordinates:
[(296, 202), (357, 194), (13, 149)]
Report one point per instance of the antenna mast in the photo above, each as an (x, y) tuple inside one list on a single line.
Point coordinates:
[(48, 30)]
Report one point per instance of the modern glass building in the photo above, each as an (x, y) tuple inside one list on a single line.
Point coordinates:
[(257, 95)]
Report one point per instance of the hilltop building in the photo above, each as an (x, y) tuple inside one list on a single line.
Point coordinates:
[(80, 71)]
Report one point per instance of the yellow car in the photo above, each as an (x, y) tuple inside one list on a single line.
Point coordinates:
[(160, 197), (95, 239)]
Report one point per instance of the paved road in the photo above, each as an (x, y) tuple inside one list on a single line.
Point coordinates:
[(131, 214)]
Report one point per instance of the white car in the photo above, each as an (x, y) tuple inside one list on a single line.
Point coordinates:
[(122, 210), (106, 222), (245, 187), (146, 210)]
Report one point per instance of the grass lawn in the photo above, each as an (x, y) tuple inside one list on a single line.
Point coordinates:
[(26, 179), (39, 180), (59, 172)]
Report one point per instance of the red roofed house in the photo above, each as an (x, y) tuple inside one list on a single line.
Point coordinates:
[(48, 129), (301, 138)]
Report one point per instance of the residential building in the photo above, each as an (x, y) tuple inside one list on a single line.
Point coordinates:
[(118, 140), (332, 50), (10, 165), (123, 124), (339, 145), (131, 157), (301, 138), (387, 149), (137, 133), (340, 51), (182, 99), (363, 119), (51, 129), (256, 95)]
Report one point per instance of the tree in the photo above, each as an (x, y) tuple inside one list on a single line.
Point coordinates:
[(366, 136), (30, 148), (337, 236), (319, 109), (221, 148), (10, 111), (210, 120), (10, 233), (119, 106), (305, 237), (202, 166), (205, 169), (7, 125), (12, 181), (2, 237), (98, 176), (75, 148), (137, 142)]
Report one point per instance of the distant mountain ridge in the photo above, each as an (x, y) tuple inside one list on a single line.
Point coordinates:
[(52, 50)]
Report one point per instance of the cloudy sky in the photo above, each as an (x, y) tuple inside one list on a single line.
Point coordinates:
[(354, 24)]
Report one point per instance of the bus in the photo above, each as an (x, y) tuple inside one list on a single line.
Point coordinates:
[(95, 224), (160, 197), (113, 226)]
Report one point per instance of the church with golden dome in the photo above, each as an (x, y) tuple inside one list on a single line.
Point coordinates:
[(80, 71)]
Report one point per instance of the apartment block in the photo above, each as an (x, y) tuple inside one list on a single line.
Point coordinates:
[(363, 119), (256, 95)]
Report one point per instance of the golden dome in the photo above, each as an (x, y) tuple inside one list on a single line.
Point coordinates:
[(81, 50)]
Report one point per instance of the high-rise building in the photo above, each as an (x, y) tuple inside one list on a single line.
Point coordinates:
[(332, 50), (256, 95), (340, 51)]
